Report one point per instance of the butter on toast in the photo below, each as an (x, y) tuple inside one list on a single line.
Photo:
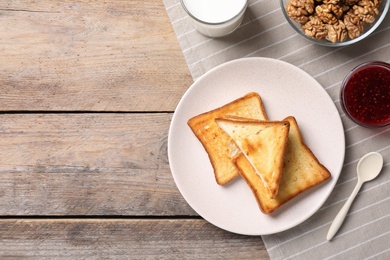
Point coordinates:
[(263, 144), (218, 145), (301, 171)]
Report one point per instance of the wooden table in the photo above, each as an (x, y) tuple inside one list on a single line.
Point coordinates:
[(87, 93)]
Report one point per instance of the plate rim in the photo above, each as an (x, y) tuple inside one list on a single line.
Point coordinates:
[(255, 59)]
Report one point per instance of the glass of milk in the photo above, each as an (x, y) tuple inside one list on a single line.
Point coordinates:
[(215, 18)]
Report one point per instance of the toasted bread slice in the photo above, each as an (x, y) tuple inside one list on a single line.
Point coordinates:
[(218, 145), (301, 171), (263, 144)]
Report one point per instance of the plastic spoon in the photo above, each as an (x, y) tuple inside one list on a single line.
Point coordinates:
[(368, 169)]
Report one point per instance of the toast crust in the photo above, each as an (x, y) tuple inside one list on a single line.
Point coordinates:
[(218, 145), (301, 171)]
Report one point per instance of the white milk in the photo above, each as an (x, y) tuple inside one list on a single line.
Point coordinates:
[(215, 18)]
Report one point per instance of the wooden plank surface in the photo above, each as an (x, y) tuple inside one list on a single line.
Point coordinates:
[(87, 164), (124, 239), (89, 56)]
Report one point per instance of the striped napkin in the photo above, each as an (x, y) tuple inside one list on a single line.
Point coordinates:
[(264, 32)]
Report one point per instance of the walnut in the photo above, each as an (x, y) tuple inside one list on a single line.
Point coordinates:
[(340, 9), (354, 25), (366, 10), (377, 2), (300, 10), (315, 28), (370, 5), (337, 32), (350, 2), (325, 13), (332, 2)]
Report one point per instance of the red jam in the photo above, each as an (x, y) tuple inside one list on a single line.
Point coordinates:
[(366, 94)]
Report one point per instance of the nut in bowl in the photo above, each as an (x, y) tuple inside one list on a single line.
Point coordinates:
[(334, 22)]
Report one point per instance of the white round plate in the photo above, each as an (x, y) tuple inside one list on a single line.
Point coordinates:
[(285, 90)]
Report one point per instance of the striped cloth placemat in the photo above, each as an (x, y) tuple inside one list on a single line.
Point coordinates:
[(264, 32)]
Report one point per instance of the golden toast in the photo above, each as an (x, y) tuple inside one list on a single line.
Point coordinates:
[(301, 171), (263, 144), (218, 145)]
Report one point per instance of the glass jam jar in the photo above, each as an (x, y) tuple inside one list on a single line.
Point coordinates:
[(365, 94)]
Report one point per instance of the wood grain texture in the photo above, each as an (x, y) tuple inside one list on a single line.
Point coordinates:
[(87, 164), (124, 239), (79, 184), (87, 55)]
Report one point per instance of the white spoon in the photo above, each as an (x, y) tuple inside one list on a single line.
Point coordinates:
[(368, 169)]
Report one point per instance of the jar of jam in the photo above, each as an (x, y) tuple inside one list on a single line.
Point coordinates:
[(365, 94)]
